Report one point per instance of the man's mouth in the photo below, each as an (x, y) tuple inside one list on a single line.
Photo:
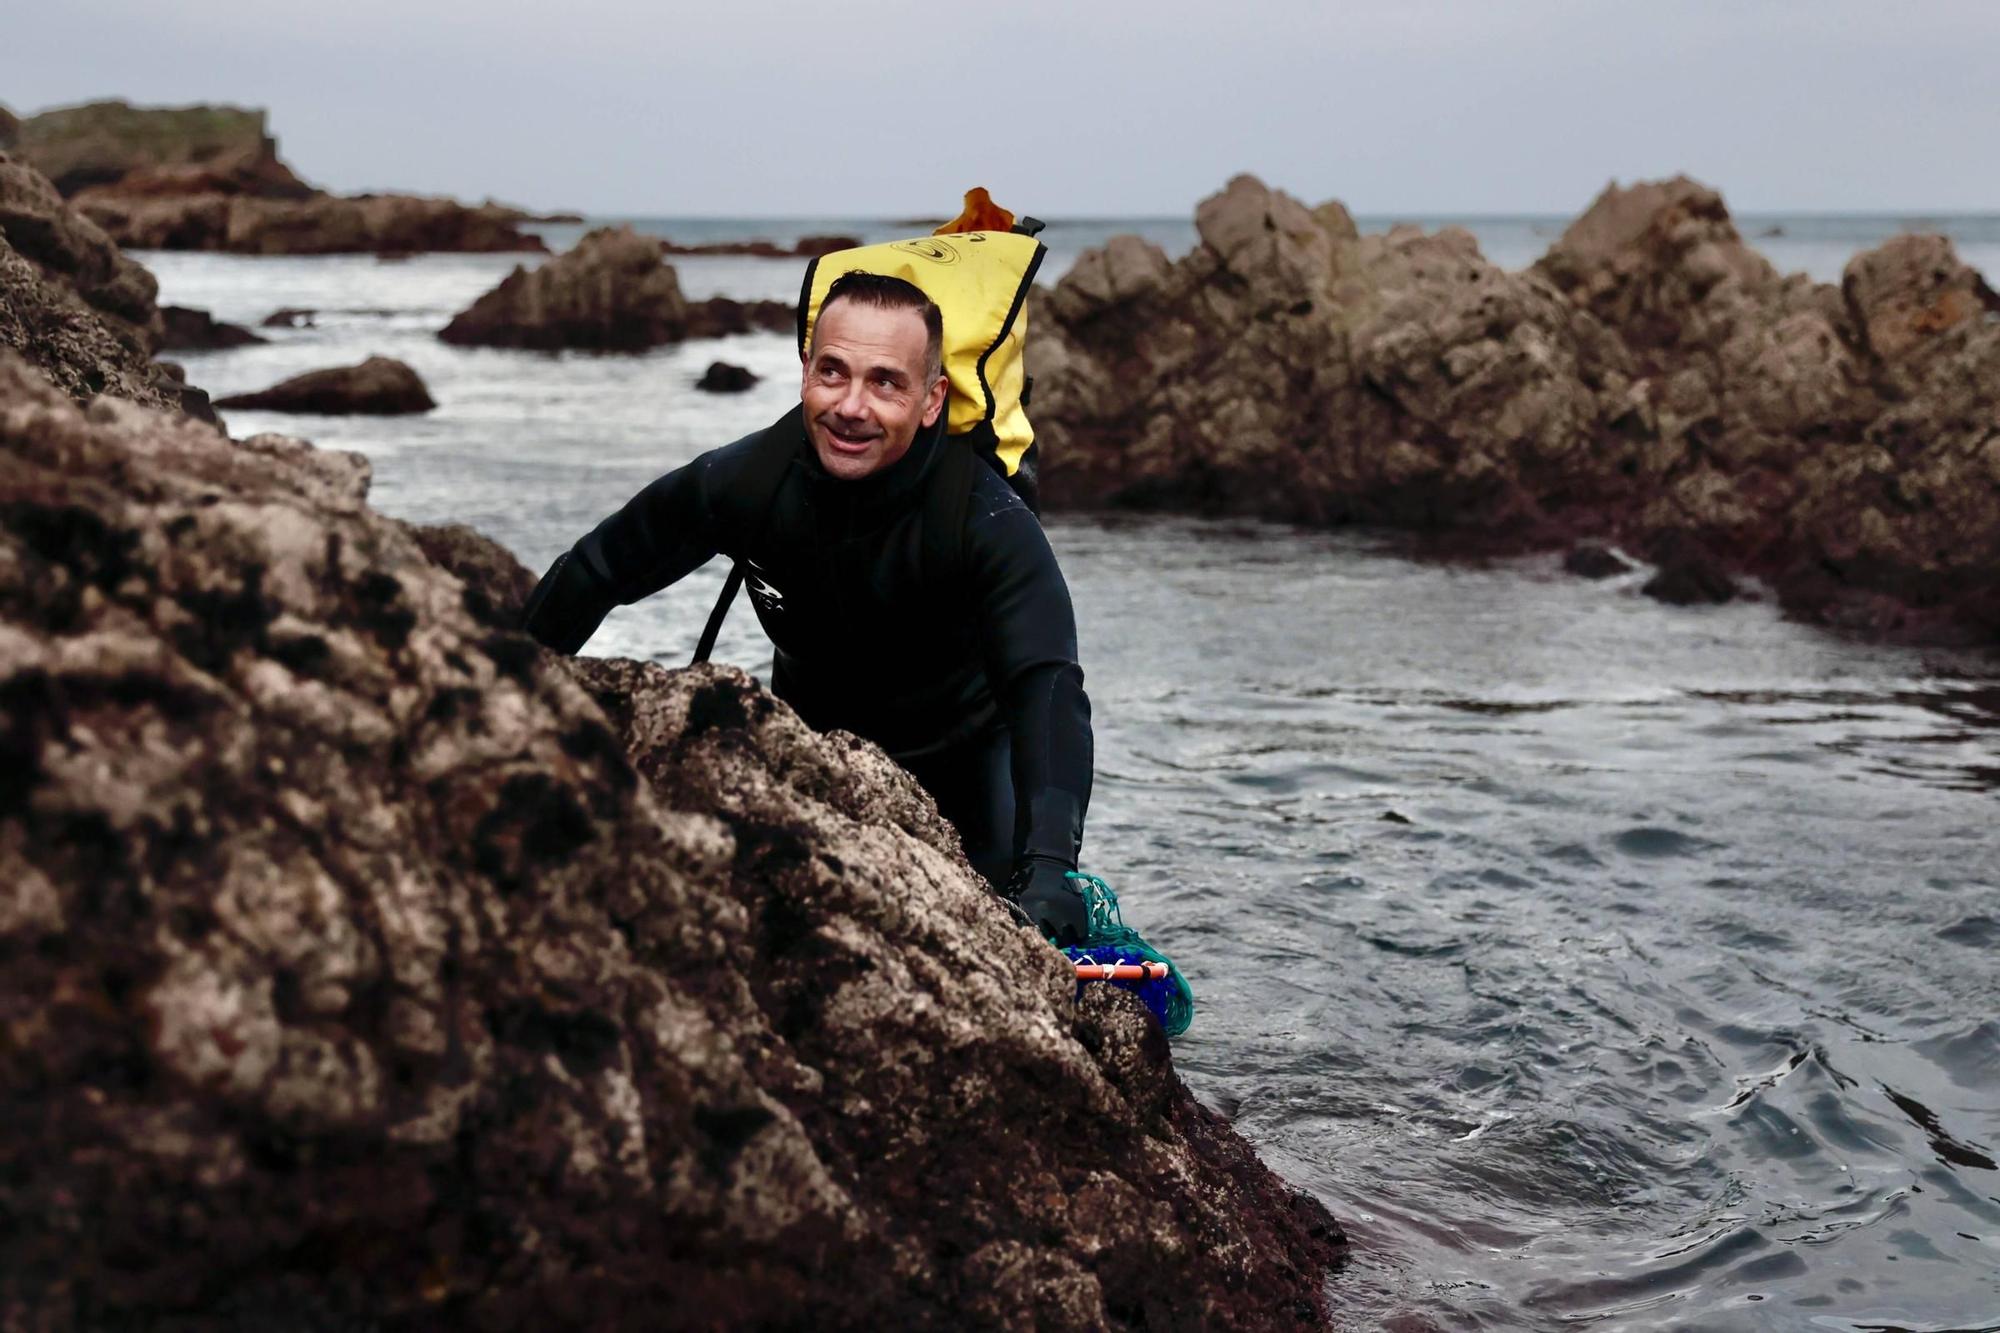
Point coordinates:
[(849, 441)]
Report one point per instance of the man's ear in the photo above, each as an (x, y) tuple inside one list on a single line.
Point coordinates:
[(940, 390)]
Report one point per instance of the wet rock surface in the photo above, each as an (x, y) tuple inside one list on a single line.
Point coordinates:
[(367, 966), (379, 386), (75, 306), (611, 292), (1651, 375)]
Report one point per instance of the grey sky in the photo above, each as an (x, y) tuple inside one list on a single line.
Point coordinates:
[(892, 107)]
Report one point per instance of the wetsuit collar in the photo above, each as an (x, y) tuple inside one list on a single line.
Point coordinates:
[(892, 490)]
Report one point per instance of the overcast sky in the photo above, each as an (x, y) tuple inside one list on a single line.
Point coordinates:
[(892, 107)]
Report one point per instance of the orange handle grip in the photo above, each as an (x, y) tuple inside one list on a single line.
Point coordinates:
[(1121, 971)]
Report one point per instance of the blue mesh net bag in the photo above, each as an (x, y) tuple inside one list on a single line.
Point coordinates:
[(1115, 955)]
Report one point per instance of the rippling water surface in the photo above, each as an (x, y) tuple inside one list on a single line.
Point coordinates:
[(1597, 962)]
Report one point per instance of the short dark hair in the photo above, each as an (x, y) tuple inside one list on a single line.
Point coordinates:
[(887, 293)]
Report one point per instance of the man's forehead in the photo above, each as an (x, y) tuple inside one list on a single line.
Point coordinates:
[(884, 332)]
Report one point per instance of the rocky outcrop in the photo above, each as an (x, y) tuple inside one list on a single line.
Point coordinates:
[(394, 224), (379, 386), (209, 178), (1651, 379), (104, 143), (189, 330), (367, 966), (612, 292), (75, 306)]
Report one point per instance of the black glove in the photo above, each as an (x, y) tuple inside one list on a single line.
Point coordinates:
[(1053, 903)]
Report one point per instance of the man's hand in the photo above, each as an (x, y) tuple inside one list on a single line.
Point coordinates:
[(1052, 902)]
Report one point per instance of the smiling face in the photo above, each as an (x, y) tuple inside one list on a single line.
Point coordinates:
[(864, 388)]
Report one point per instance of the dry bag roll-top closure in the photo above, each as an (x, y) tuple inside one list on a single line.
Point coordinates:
[(979, 280)]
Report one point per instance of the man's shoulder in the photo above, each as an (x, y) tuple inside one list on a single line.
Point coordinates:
[(742, 476), (999, 522), (993, 499)]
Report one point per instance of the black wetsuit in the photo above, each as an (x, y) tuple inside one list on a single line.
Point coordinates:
[(967, 677)]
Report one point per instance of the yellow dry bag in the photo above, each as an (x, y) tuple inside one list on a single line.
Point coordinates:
[(979, 280)]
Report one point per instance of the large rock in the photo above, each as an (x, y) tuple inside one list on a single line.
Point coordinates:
[(611, 293), (1650, 377), (73, 304), (379, 386), (1292, 368), (368, 967)]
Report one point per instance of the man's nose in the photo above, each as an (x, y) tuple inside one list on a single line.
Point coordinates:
[(853, 403)]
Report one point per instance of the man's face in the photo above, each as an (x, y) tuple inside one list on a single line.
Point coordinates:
[(864, 390)]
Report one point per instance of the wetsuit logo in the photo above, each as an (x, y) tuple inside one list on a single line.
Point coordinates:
[(763, 592)]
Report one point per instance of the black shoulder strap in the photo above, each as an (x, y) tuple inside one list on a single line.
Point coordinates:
[(752, 494), (946, 501)]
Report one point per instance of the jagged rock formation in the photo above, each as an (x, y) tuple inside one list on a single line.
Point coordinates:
[(379, 386), (611, 293), (73, 305), (367, 966), (209, 178), (1651, 380)]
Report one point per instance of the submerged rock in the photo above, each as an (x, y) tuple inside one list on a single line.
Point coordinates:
[(368, 966), (1688, 573), (199, 331), (1591, 561), (722, 377), (379, 386), (1651, 374)]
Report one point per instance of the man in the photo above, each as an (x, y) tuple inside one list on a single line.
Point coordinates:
[(968, 677)]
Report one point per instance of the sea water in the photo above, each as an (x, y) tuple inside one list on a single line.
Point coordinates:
[(1595, 961)]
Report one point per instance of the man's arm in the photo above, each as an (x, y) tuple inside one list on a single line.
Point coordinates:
[(663, 533), (1028, 629)]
